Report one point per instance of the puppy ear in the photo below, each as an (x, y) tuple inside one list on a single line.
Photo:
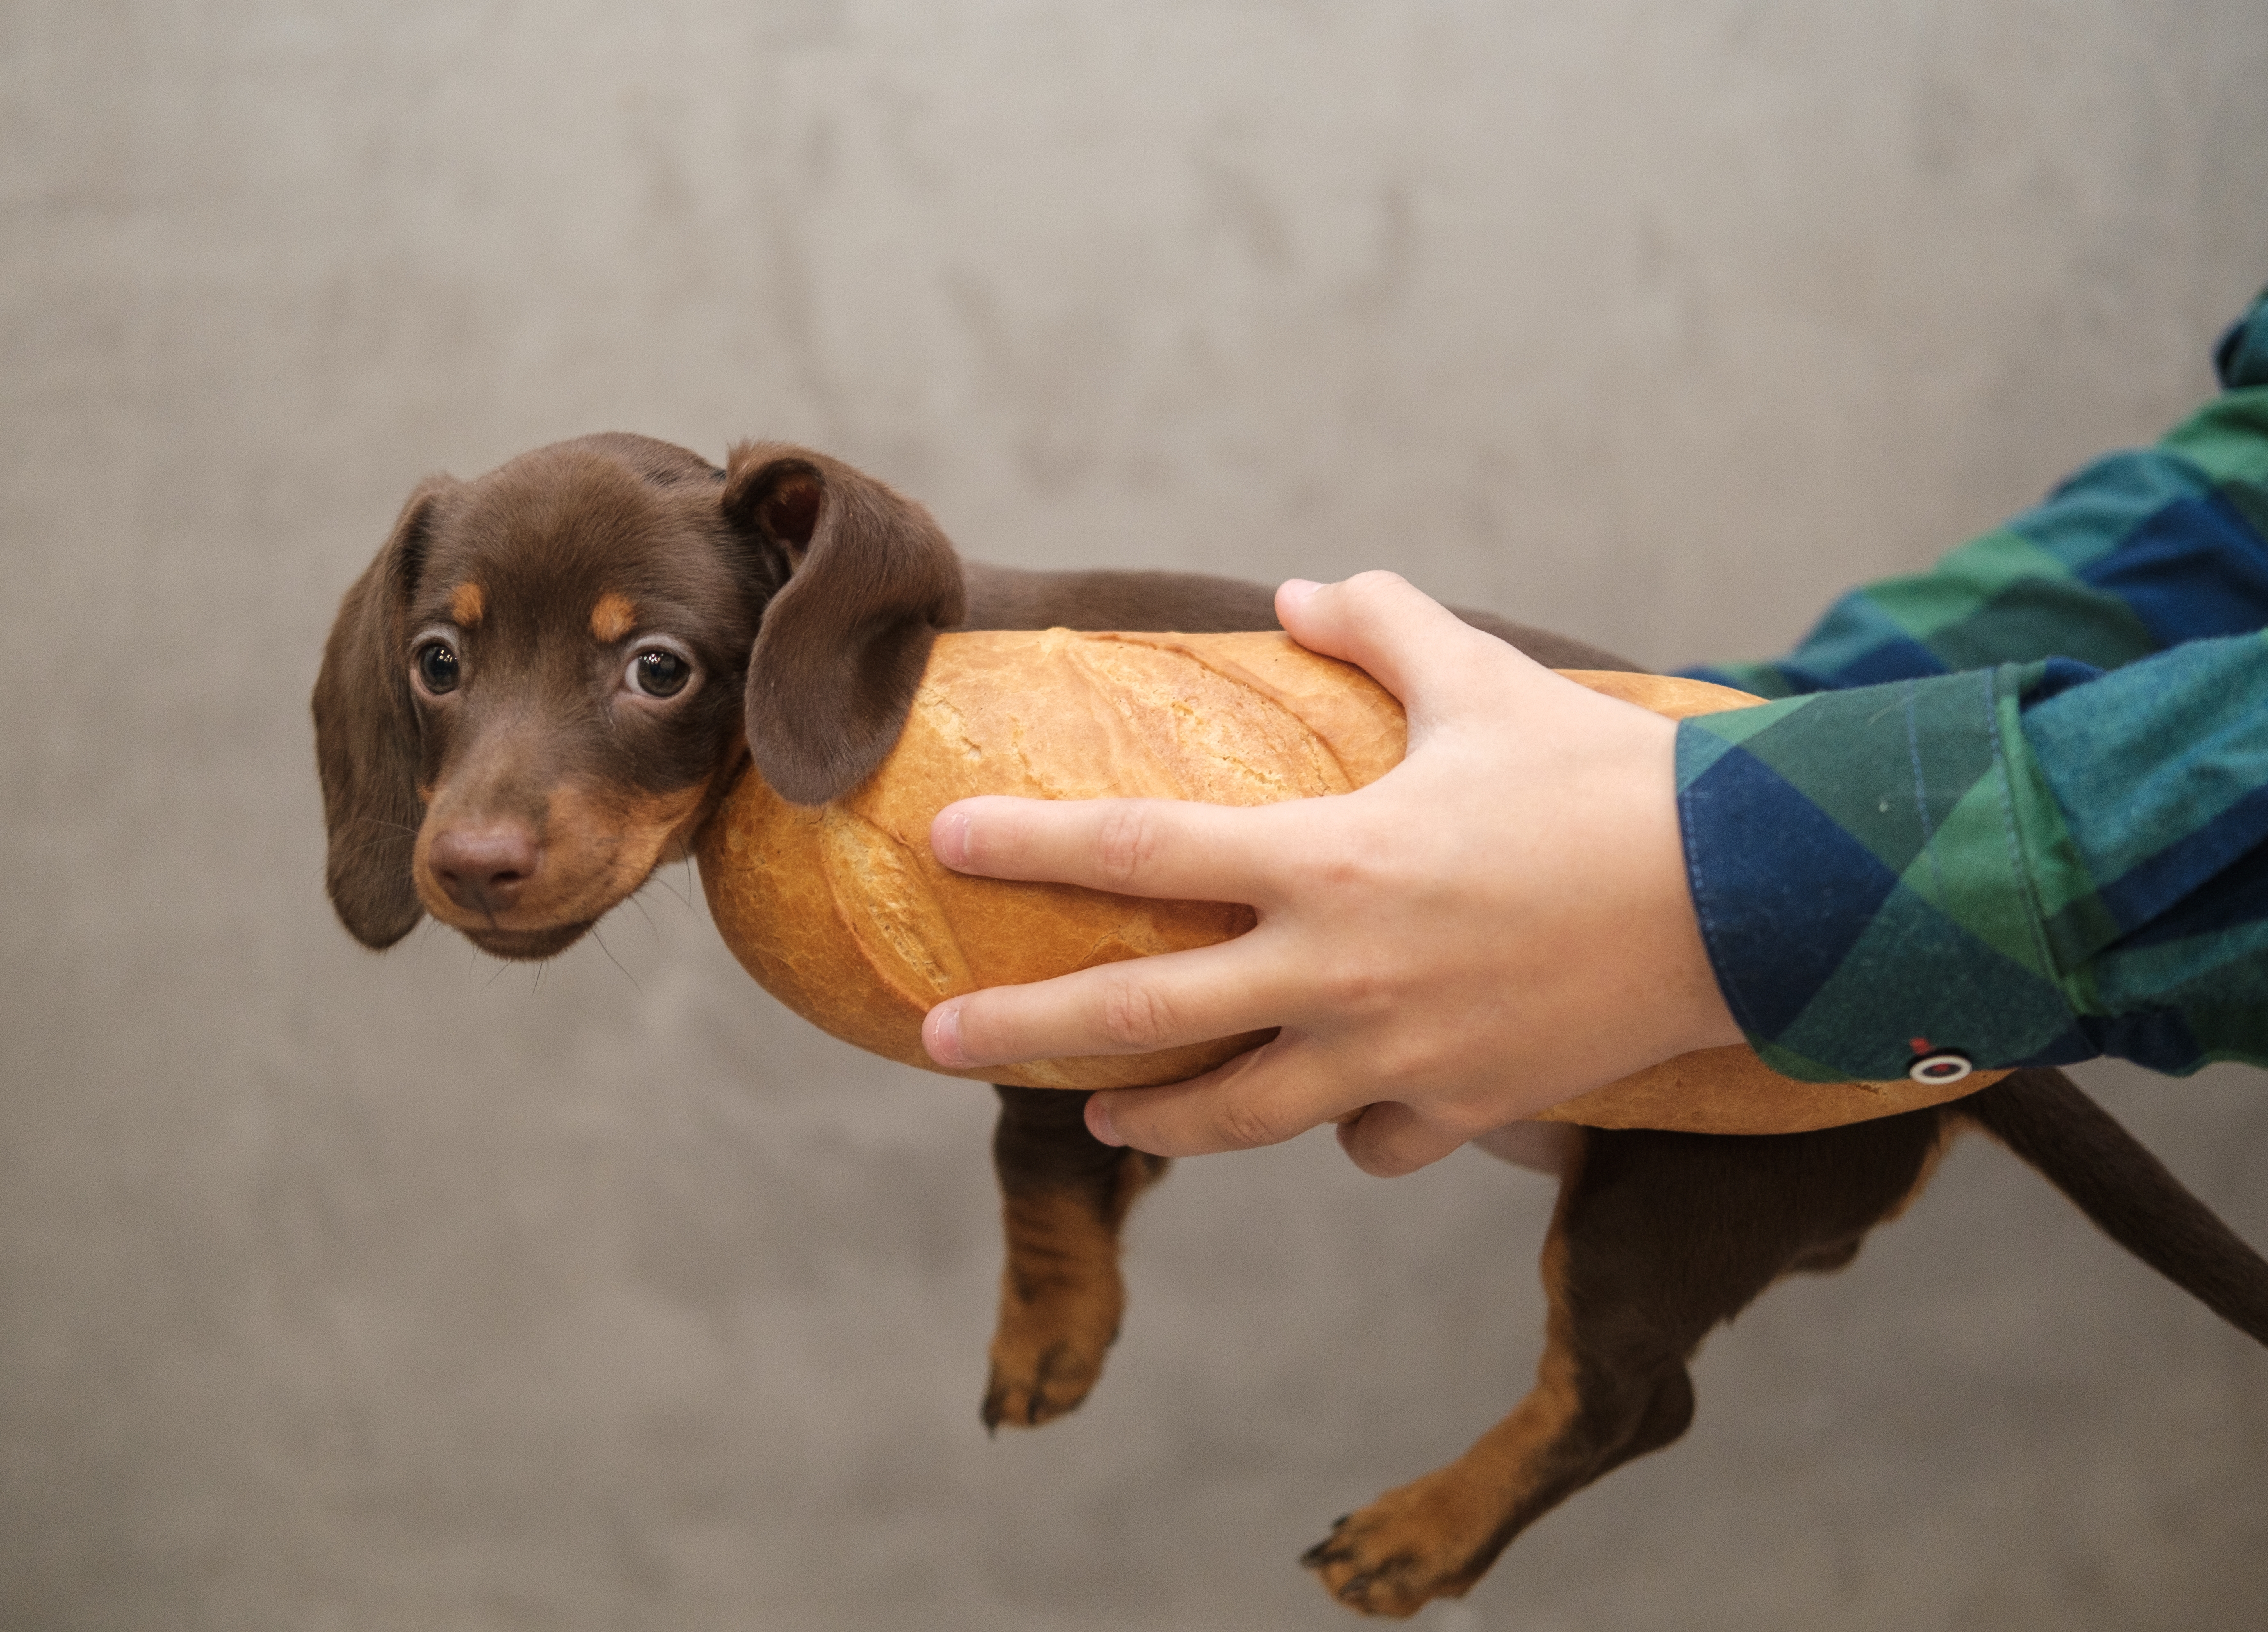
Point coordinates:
[(366, 738), (841, 649)]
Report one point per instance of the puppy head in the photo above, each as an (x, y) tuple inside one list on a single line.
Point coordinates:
[(544, 682)]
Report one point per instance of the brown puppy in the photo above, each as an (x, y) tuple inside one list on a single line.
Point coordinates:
[(548, 678)]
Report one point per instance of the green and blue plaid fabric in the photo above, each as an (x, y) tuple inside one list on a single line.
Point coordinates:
[(2017, 805)]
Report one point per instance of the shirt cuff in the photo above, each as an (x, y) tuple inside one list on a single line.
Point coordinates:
[(1860, 877)]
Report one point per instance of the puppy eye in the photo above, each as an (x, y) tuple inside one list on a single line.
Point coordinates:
[(437, 666), (659, 673)]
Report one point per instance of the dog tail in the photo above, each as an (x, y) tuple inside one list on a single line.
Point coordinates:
[(2076, 1145)]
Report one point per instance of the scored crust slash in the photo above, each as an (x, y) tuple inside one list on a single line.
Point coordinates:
[(841, 913)]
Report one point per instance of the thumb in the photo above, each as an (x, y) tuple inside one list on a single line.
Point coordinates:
[(1394, 631)]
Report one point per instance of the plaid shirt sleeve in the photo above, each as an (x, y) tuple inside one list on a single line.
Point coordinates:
[(2016, 806)]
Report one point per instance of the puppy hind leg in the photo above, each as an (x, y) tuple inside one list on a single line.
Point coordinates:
[(1438, 1535), (1658, 1237), (1064, 1197)]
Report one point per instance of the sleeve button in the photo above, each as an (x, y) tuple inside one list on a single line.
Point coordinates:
[(1940, 1066)]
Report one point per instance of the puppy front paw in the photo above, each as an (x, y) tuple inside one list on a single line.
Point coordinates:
[(1061, 1299), (1061, 1295), (1047, 1350), (1035, 1380)]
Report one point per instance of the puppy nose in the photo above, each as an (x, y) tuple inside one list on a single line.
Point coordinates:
[(483, 868)]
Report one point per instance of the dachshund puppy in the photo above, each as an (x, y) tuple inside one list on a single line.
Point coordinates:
[(550, 676)]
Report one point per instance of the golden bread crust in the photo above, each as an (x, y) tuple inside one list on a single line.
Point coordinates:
[(840, 912)]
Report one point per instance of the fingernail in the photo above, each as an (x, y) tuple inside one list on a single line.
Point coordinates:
[(941, 1035), (948, 839), (1098, 1121), (1296, 590)]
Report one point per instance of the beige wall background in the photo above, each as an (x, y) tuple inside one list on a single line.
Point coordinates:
[(339, 1292)]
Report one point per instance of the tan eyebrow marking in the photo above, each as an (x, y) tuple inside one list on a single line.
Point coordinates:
[(466, 603), (612, 617)]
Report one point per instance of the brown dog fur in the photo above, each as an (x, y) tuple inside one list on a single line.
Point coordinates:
[(547, 678)]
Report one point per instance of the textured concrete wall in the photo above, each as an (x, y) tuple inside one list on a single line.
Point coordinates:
[(342, 1292)]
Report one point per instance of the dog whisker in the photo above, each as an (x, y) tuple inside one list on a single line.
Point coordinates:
[(661, 878), (616, 961)]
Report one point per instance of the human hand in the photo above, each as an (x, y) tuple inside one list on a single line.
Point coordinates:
[(1500, 922)]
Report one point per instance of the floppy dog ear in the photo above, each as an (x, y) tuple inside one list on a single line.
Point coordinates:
[(366, 738), (841, 649)]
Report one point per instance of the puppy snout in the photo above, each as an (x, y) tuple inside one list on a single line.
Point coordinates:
[(484, 868)]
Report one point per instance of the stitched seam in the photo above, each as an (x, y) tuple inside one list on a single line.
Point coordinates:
[(2003, 785), (1921, 795)]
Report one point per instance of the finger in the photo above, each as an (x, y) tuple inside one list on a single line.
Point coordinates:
[(1135, 1006), (1402, 638), (1163, 848), (1389, 1139), (1272, 1094)]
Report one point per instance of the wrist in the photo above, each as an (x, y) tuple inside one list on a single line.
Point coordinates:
[(1659, 983)]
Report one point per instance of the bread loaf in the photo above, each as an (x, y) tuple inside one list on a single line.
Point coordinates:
[(840, 912)]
